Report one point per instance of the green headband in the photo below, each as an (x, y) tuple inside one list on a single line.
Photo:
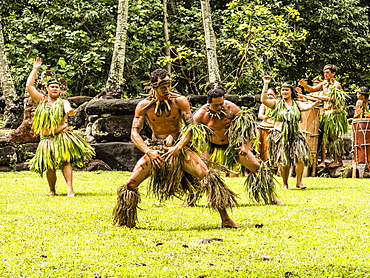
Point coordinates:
[(53, 81)]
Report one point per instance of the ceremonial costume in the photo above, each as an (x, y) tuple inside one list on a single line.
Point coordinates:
[(172, 181), (288, 146), (260, 186), (242, 129), (55, 150), (333, 122)]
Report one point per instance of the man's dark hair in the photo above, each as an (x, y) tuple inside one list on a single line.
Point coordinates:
[(215, 85), (215, 93), (158, 74), (331, 67)]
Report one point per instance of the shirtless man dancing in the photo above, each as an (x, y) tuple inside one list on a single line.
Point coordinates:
[(218, 114), (167, 160)]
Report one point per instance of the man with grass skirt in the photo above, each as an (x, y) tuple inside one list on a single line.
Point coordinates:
[(59, 148), (333, 121), (229, 143), (173, 168)]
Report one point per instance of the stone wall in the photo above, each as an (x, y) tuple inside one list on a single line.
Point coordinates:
[(108, 127)]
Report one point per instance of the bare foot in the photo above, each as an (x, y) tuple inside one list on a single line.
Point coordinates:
[(321, 165), (52, 193), (70, 193), (230, 224), (277, 202), (301, 186), (335, 164), (285, 186)]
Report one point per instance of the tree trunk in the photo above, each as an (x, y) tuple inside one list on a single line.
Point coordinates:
[(210, 37), (11, 112), (116, 81), (166, 34)]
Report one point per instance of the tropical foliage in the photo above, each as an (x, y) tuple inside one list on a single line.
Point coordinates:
[(287, 40), (338, 33)]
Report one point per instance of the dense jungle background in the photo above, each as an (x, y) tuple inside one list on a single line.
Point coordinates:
[(288, 40)]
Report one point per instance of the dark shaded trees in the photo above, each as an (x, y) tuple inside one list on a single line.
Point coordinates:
[(76, 39)]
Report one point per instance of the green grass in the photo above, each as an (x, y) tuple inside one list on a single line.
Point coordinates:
[(322, 231)]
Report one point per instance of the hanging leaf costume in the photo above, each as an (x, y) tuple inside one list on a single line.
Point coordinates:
[(242, 129), (172, 181), (260, 186), (55, 150), (287, 146), (333, 122)]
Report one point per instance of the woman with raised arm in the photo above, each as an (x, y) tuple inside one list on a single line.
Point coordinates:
[(287, 146), (59, 148)]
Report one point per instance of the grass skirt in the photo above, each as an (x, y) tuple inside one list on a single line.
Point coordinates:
[(260, 186), (125, 211), (288, 155), (172, 181), (219, 156), (333, 124), (55, 151), (219, 196)]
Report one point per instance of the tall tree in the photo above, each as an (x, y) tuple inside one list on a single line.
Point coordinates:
[(256, 40), (211, 45), (10, 95), (166, 34), (116, 81)]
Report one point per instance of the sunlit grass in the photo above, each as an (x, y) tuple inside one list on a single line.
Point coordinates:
[(322, 231)]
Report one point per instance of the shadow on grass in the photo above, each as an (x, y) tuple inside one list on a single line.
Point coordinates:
[(83, 194), (312, 188), (202, 227), (193, 228)]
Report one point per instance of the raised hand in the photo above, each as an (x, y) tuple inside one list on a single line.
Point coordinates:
[(303, 82), (266, 79), (37, 63)]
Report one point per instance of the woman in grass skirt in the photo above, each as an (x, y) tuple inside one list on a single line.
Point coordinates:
[(59, 148), (287, 146)]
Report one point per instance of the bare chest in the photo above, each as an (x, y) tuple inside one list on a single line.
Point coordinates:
[(216, 123), (163, 116)]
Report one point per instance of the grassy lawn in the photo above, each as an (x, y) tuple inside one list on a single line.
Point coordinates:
[(322, 231)]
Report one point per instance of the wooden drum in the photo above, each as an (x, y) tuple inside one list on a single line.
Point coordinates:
[(264, 131), (309, 127), (361, 140)]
